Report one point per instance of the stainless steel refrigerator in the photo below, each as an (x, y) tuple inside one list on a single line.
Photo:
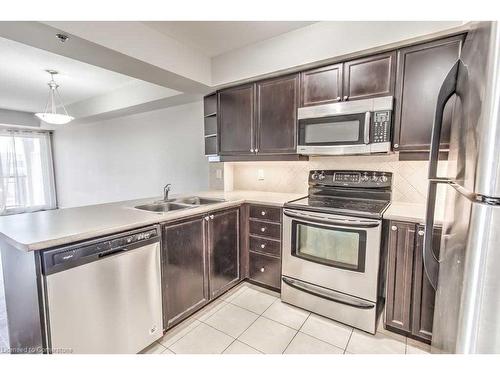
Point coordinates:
[(466, 272)]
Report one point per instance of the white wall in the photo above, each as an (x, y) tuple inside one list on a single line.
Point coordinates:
[(131, 157), (316, 42)]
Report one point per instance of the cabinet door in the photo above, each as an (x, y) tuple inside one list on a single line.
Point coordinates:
[(224, 251), (322, 85), (421, 71), (369, 77), (423, 293), (236, 120), (185, 284), (277, 101), (399, 275)]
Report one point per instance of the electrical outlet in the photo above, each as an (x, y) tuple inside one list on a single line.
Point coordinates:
[(260, 174)]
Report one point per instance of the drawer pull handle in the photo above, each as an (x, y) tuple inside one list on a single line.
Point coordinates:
[(263, 246), (262, 269), (263, 213), (263, 229)]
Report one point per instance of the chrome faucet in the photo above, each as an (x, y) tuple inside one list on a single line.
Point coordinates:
[(166, 189)]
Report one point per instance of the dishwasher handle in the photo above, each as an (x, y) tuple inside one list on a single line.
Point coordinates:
[(111, 252)]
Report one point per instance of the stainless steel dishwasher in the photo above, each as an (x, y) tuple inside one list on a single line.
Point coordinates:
[(104, 296)]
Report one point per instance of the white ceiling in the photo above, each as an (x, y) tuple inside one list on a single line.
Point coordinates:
[(216, 37), (23, 80)]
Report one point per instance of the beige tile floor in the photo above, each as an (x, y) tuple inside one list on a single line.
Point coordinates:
[(252, 320)]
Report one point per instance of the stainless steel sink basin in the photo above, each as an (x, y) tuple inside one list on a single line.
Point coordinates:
[(163, 206), (199, 200)]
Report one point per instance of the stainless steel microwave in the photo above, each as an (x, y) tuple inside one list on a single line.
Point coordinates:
[(357, 127)]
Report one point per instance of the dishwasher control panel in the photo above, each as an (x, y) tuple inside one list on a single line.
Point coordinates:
[(59, 259)]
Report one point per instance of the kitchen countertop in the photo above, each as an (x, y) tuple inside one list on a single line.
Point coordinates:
[(44, 229), (413, 212)]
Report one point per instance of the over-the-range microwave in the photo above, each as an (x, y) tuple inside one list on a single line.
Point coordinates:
[(344, 128)]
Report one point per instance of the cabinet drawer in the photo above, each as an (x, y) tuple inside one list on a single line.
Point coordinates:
[(265, 245), (265, 229), (265, 213), (265, 269)]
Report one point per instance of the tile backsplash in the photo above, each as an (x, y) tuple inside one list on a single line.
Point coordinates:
[(409, 177)]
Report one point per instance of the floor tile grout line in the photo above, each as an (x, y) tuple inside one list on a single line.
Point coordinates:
[(296, 333), (168, 347), (326, 342), (348, 341)]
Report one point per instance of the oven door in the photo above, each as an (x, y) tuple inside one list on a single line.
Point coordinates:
[(341, 253)]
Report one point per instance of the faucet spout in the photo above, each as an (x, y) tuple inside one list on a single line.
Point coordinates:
[(166, 190)]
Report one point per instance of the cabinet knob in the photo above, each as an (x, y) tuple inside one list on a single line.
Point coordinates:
[(421, 232), (346, 97), (251, 150), (256, 150), (262, 269), (394, 227), (396, 145), (339, 98), (206, 218), (212, 217), (263, 246), (263, 213), (263, 229)]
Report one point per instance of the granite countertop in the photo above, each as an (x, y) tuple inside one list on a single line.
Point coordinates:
[(44, 229), (413, 212)]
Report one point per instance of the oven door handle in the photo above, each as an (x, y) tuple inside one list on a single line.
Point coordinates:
[(324, 220), (328, 294)]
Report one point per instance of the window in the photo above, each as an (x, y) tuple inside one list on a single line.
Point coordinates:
[(26, 172)]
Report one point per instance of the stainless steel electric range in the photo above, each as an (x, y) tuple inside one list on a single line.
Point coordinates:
[(332, 246)]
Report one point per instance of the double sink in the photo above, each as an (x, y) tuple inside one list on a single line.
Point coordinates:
[(178, 204)]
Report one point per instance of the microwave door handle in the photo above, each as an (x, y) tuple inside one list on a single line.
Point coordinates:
[(328, 221), (367, 127)]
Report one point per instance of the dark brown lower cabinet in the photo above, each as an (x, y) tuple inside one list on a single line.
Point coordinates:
[(200, 260), (223, 250), (409, 305), (185, 283), (263, 242), (265, 269)]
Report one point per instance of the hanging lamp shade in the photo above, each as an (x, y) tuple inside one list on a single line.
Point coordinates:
[(50, 114)]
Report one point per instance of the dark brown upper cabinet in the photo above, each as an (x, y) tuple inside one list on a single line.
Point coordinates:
[(363, 78), (277, 101), (369, 77), (223, 250), (322, 85), (420, 73), (236, 116)]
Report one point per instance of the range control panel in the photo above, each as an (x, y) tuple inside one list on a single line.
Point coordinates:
[(381, 129), (365, 179)]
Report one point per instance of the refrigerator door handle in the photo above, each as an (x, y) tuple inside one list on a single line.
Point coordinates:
[(448, 88)]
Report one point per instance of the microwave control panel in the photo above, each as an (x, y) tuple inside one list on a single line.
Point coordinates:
[(381, 129)]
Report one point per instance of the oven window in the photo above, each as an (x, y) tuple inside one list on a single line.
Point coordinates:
[(332, 246), (335, 130)]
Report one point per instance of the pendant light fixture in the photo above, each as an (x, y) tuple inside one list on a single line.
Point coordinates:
[(50, 114)]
